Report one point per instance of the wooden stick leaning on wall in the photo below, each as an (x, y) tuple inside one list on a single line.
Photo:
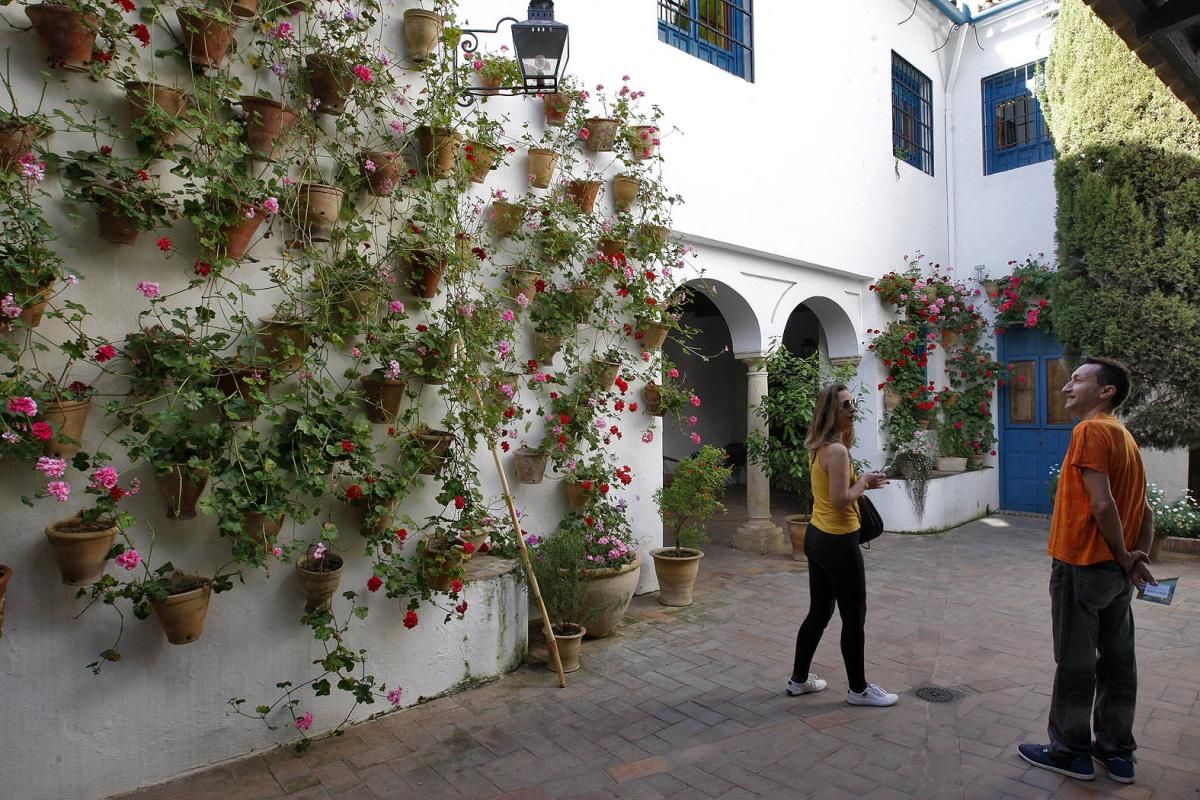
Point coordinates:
[(551, 642)]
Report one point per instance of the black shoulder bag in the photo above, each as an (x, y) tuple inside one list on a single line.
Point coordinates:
[(870, 521)]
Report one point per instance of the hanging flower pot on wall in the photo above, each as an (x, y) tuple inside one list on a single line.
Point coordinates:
[(242, 8), (34, 306), (81, 548), (583, 194), (145, 97), (424, 268), (422, 29), (436, 445), (602, 134), (319, 579), (653, 336), (238, 235), (206, 37), (67, 418), (382, 398), (481, 158), (330, 80), (541, 166), (383, 171), (556, 106), (652, 394), (625, 191), (267, 123), (545, 345), (180, 488), (318, 207), (285, 342), (507, 217), (16, 139), (438, 146), (530, 465), (183, 611), (69, 35), (112, 226), (523, 282)]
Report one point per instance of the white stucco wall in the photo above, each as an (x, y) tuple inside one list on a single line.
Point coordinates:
[(950, 500)]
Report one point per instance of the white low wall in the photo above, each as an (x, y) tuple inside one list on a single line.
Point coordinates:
[(952, 499)]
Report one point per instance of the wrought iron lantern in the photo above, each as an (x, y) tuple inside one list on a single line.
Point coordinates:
[(540, 45)]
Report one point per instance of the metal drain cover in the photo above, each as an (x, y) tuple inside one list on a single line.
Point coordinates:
[(935, 694)]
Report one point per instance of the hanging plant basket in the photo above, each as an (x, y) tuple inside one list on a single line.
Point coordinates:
[(5, 575), (625, 191), (523, 282), (233, 381), (438, 146), (507, 217), (382, 398), (422, 30), (585, 295), (81, 548), (424, 268), (319, 579), (267, 123), (379, 528), (545, 345), (556, 106), (891, 401), (16, 139), (652, 394), (481, 159), (611, 248), (237, 237), (261, 529), (180, 488), (569, 637), (111, 226), (183, 611), (541, 166), (653, 336), (385, 177), (206, 38), (285, 342), (578, 497), (530, 465), (69, 35), (68, 418), (436, 445), (318, 209), (329, 80), (641, 141), (583, 194), (33, 307), (602, 134), (949, 338), (440, 563), (242, 8), (605, 372), (143, 96)]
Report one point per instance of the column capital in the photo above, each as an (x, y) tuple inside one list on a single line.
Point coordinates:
[(754, 362)]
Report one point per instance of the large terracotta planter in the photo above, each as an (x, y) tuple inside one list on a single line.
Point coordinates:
[(436, 445), (385, 177), (182, 614), (68, 419), (797, 525), (602, 134), (676, 576), (206, 39), (422, 29), (318, 207), (507, 217), (652, 394), (625, 191), (382, 398), (267, 123), (605, 372), (541, 166), (481, 159), (569, 638), (81, 549), (556, 106), (5, 574), (425, 269), (653, 336), (69, 35), (609, 593), (545, 345), (276, 335), (583, 194), (143, 96), (329, 80), (439, 147), (180, 489), (237, 237), (530, 465), (319, 579)]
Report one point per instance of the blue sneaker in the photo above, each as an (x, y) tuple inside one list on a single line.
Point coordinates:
[(1080, 768), (1119, 769)]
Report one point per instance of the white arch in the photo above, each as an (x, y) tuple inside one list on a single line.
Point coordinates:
[(840, 334), (744, 329)]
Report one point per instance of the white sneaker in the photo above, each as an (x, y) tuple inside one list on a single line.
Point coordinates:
[(813, 684), (872, 696)]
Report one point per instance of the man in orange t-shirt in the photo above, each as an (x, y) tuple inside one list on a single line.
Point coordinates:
[(1099, 535)]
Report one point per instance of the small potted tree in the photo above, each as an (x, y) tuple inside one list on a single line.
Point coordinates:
[(563, 584), (694, 495)]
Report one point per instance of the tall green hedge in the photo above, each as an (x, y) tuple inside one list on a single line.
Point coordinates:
[(1128, 182)]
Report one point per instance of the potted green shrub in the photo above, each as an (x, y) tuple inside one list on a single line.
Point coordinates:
[(952, 450), (557, 563), (694, 494)]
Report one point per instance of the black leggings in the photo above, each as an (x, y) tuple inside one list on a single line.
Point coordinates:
[(835, 574)]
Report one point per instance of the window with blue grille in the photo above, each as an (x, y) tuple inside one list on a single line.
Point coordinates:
[(717, 31), (912, 115), (1014, 131)]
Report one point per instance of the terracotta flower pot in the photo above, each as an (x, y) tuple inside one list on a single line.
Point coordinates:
[(238, 236), (585, 295), (182, 614), (422, 29), (652, 394), (319, 579), (81, 549), (234, 381), (180, 489), (425, 270), (608, 594), (569, 638), (143, 96), (641, 141), (625, 191), (891, 401), (34, 307), (507, 217), (329, 80), (363, 510), (438, 147), (267, 124), (318, 207), (262, 529), (69, 35), (382, 398), (654, 236), (436, 445), (481, 159), (653, 336), (541, 166), (605, 372), (285, 341), (490, 86), (206, 39), (16, 140), (583, 194), (439, 565), (975, 461), (357, 306), (5, 574), (610, 248), (797, 525), (385, 177), (112, 226), (530, 465), (243, 8), (577, 496), (545, 345), (68, 419), (602, 134), (556, 106), (523, 282), (676, 575)]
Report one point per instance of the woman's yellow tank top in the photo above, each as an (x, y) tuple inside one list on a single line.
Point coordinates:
[(826, 515)]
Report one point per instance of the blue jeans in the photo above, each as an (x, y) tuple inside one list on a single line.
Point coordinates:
[(1095, 684)]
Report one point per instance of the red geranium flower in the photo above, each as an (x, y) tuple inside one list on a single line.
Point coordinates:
[(374, 583), (456, 585), (355, 492), (410, 620), (348, 446), (41, 430)]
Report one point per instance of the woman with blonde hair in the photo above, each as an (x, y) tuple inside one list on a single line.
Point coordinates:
[(835, 564)]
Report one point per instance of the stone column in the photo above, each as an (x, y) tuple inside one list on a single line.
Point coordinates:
[(758, 534)]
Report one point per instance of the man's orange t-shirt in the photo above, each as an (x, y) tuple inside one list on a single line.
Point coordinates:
[(1100, 443)]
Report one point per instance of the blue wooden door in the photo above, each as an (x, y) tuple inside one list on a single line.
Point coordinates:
[(1035, 427)]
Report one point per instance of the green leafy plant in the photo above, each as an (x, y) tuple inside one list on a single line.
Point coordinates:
[(695, 493)]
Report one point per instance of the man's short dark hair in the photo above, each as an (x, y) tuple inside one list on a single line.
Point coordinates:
[(1112, 373)]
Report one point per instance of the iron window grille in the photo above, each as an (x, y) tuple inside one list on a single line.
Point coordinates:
[(912, 115), (720, 32), (1014, 130)]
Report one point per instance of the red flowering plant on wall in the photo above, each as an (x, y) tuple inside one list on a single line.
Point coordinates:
[(1021, 298), (899, 348), (967, 402)]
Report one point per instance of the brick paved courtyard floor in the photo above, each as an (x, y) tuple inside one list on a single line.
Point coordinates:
[(689, 703)]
